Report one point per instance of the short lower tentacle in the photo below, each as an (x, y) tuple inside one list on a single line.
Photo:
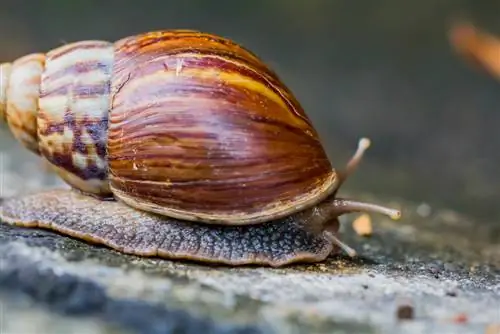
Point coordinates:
[(324, 217)]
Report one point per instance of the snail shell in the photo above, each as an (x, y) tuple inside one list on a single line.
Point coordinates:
[(179, 123), (190, 132)]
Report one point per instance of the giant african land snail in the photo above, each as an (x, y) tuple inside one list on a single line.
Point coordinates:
[(181, 144)]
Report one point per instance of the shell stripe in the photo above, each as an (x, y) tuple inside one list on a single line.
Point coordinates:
[(167, 44)]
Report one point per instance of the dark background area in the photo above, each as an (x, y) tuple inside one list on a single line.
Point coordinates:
[(382, 69)]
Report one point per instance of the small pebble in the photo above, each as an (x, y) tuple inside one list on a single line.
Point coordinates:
[(405, 312), (451, 293), (460, 318), (363, 225), (434, 269)]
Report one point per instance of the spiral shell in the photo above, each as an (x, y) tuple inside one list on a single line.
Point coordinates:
[(56, 105), (180, 123)]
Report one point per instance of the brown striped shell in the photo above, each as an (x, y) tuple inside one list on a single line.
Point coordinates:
[(179, 123)]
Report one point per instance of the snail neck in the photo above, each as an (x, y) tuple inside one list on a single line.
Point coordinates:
[(332, 208), (323, 218)]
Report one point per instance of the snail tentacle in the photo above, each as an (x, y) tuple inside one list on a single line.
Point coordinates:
[(343, 246), (353, 163), (341, 206)]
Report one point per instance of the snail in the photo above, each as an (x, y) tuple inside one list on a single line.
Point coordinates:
[(178, 144), (477, 47)]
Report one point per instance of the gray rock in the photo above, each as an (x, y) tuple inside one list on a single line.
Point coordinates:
[(438, 265)]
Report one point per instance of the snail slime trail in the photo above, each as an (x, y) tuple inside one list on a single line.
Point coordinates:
[(172, 148)]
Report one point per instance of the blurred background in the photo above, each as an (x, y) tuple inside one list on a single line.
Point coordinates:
[(382, 69)]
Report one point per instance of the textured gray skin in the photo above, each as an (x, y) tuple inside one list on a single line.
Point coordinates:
[(130, 231)]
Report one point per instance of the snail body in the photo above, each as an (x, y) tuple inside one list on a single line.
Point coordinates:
[(187, 134)]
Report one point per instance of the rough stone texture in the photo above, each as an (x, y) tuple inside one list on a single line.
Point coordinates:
[(445, 267)]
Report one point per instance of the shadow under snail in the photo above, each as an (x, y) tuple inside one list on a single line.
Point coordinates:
[(178, 144)]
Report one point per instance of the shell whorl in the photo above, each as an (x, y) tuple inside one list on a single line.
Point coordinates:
[(20, 82), (73, 116), (56, 105)]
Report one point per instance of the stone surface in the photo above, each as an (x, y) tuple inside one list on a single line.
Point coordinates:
[(437, 272)]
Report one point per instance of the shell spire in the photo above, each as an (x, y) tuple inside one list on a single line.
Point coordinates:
[(19, 91)]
